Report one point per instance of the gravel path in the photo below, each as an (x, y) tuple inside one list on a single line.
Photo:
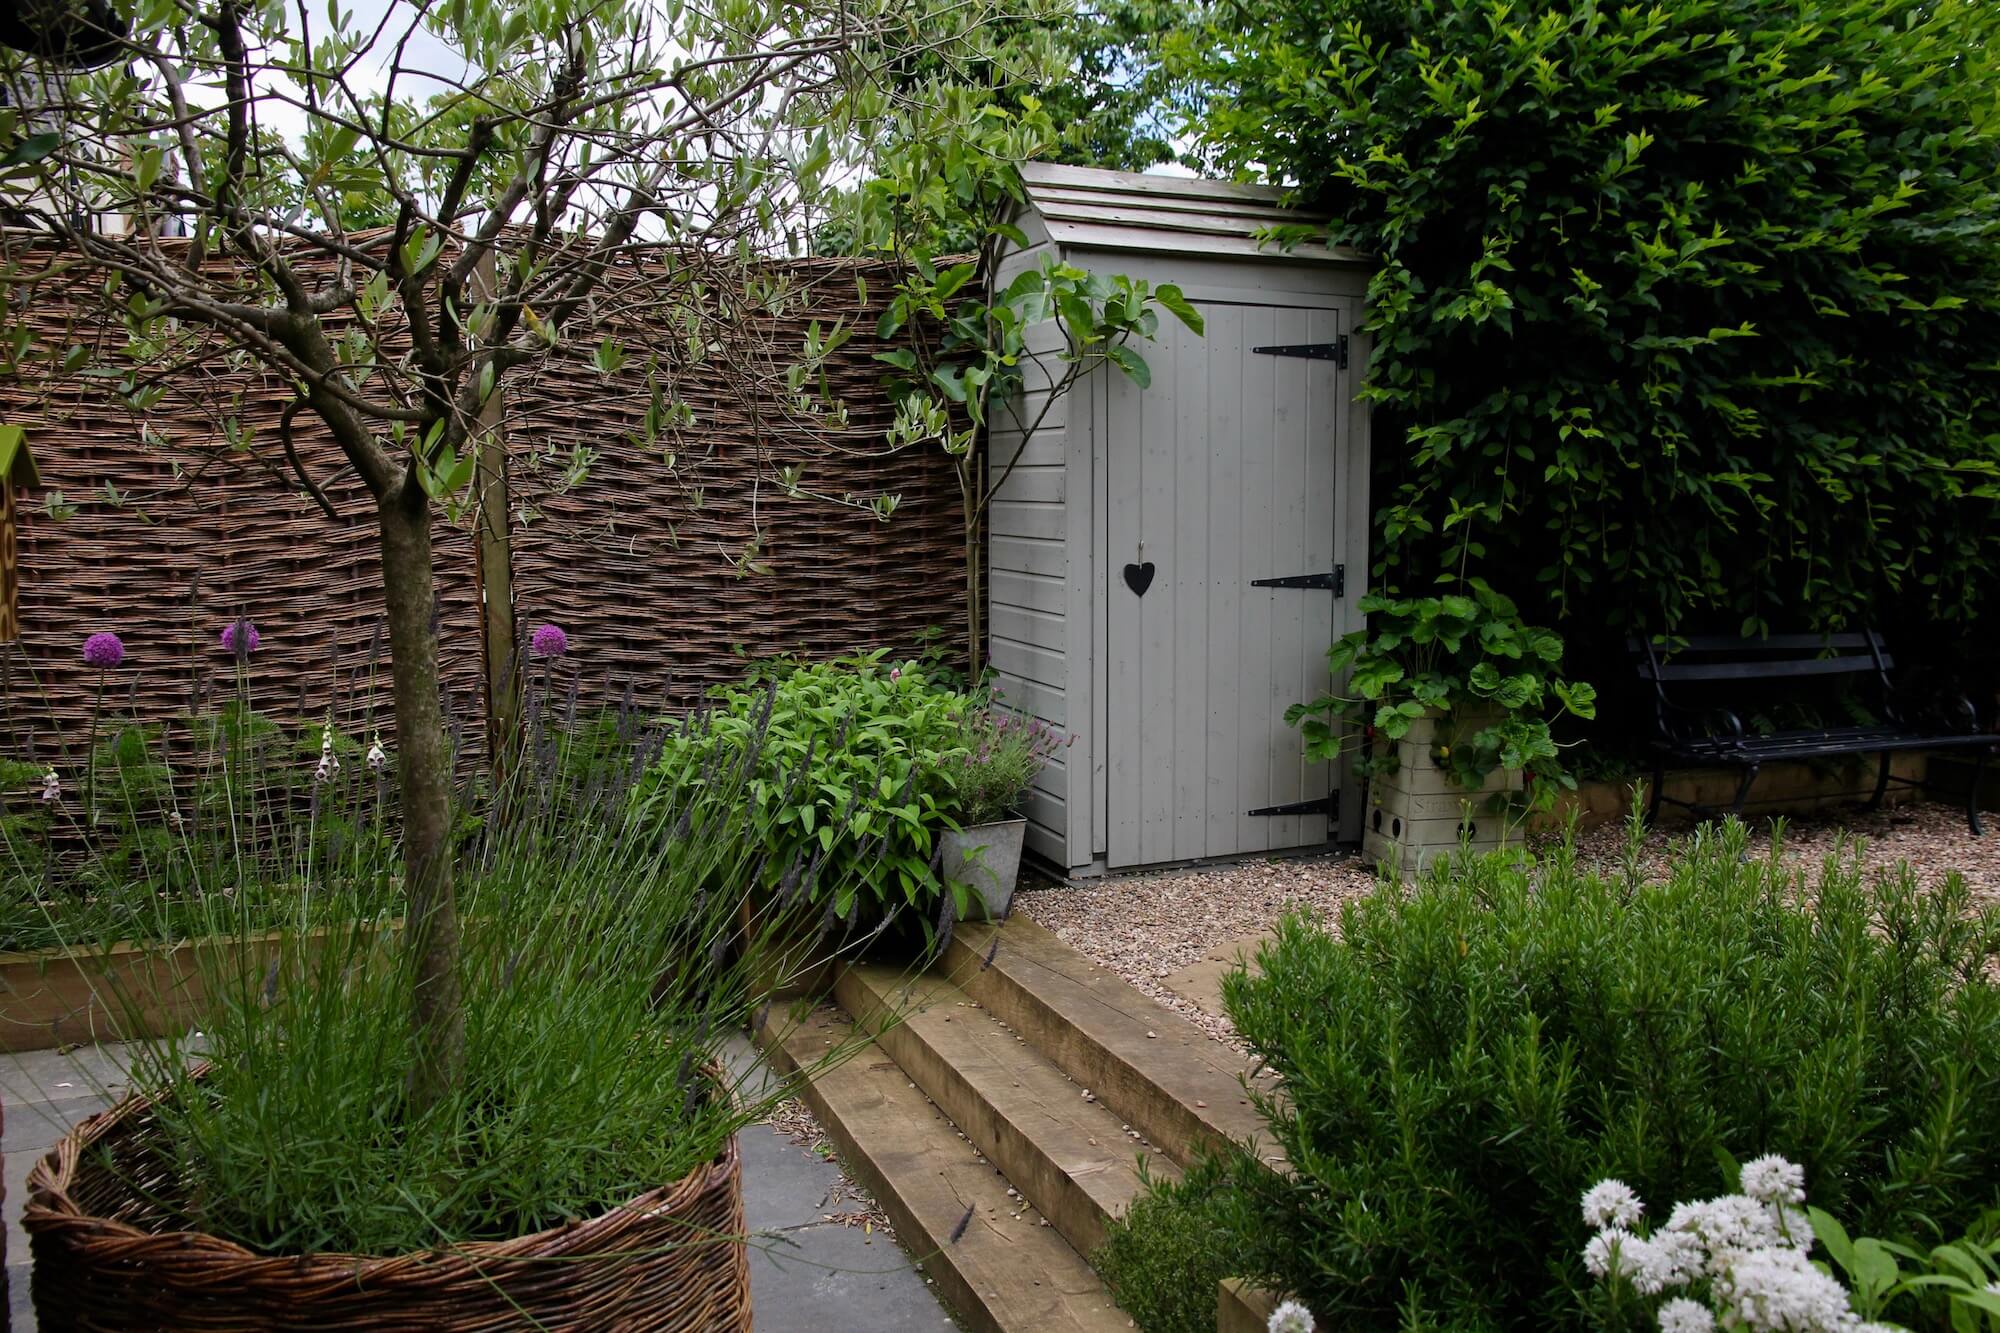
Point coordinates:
[(1147, 927)]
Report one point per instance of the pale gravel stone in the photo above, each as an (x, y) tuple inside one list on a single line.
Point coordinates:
[(1148, 926)]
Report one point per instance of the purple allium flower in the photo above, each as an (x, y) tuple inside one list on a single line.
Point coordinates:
[(240, 638), (548, 641), (103, 650)]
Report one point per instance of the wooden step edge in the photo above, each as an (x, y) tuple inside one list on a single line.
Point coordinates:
[(1180, 1087), (1243, 1307), (1053, 1141), (997, 1267)]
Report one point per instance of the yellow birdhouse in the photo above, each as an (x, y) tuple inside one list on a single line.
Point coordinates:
[(17, 474)]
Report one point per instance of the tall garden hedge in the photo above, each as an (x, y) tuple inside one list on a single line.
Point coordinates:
[(1688, 312)]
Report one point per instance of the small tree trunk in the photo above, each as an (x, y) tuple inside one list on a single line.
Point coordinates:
[(971, 485), (495, 549), (495, 566), (975, 601), (423, 769)]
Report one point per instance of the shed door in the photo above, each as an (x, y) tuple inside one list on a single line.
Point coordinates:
[(1222, 472)]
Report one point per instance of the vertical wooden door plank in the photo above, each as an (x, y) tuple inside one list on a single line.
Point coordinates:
[(1123, 470), (1320, 489), (1189, 360), (1159, 445), (1226, 351), (1290, 443), (1259, 484)]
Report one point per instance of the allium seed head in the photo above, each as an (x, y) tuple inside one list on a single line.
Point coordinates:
[(240, 639), (103, 650), (548, 641)]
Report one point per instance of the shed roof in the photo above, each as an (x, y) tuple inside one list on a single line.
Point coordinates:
[(1128, 210)]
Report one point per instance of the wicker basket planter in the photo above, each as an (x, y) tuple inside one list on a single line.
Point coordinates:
[(670, 1261)]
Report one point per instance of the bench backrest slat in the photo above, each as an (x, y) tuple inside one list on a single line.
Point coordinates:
[(1764, 670), (1807, 644)]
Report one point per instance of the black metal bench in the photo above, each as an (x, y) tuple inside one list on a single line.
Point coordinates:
[(1690, 676)]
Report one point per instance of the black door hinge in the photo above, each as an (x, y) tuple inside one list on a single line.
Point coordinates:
[(1328, 805), (1335, 583), (1335, 351)]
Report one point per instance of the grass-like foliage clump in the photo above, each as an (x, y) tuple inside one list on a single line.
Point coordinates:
[(604, 962), (1463, 1059)]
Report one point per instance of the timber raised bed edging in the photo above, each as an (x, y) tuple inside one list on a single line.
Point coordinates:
[(67, 997), (1783, 788)]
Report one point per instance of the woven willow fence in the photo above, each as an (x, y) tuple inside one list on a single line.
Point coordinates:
[(165, 533)]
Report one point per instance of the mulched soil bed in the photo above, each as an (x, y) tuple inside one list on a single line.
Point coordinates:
[(1146, 927)]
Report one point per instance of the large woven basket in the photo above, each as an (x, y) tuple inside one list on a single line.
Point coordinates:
[(670, 1261)]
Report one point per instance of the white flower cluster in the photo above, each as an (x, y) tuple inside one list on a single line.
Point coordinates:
[(377, 756), (52, 787), (329, 764), (1291, 1317), (1748, 1249)]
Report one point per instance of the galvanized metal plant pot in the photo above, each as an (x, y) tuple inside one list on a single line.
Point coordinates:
[(988, 857)]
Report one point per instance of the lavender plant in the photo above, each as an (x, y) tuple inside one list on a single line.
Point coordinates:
[(604, 970), (996, 759)]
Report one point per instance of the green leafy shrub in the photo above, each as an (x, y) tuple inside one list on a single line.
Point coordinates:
[(1462, 1061), (1687, 311), (1465, 654), (847, 777), (1165, 1257)]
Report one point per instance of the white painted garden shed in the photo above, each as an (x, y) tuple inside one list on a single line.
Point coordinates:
[(1167, 567)]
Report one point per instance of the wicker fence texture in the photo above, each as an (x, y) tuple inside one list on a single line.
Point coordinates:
[(669, 1261), (161, 529)]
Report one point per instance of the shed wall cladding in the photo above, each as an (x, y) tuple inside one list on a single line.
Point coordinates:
[(1126, 539)]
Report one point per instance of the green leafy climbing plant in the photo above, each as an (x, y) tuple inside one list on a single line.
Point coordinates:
[(1467, 656)]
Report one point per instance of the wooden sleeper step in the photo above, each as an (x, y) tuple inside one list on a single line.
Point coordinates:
[(1168, 1079), (1070, 1155), (1001, 1273)]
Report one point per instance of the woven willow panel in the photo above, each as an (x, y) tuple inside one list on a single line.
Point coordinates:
[(174, 532)]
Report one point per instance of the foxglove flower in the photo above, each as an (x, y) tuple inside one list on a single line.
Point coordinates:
[(103, 651), (329, 763), (548, 641), (378, 758), (51, 787)]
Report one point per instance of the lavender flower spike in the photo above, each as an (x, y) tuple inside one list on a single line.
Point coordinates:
[(548, 641), (103, 651)]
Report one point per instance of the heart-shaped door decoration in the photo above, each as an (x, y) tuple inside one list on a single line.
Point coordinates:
[(1139, 578)]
